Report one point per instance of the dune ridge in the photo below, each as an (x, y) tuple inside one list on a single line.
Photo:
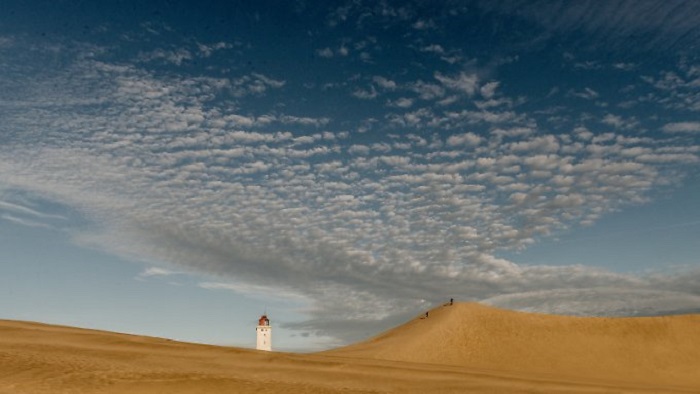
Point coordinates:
[(458, 349), (662, 349)]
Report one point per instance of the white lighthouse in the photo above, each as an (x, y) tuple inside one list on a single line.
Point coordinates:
[(264, 332)]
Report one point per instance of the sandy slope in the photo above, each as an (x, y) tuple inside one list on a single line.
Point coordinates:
[(488, 357), (647, 350)]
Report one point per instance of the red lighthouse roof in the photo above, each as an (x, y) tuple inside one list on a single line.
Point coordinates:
[(264, 321)]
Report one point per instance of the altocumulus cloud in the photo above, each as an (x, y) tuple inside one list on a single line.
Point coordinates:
[(361, 231)]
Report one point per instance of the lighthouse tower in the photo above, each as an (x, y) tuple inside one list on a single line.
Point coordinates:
[(264, 332)]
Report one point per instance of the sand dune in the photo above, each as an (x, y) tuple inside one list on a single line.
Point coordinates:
[(646, 350), (463, 348)]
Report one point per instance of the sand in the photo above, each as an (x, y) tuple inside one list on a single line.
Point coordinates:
[(649, 350), (460, 348)]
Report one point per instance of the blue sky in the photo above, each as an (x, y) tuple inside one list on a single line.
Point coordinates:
[(177, 168)]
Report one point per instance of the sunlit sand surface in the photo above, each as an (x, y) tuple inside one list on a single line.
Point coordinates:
[(459, 348)]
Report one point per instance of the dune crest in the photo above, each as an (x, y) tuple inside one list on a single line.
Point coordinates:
[(644, 349)]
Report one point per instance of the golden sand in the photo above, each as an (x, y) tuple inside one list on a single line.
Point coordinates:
[(460, 348)]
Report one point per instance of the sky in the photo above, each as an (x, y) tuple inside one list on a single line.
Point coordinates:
[(178, 168)]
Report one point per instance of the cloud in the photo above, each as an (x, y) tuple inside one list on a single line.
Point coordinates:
[(325, 52), (427, 91), (365, 94), (363, 227), (208, 50), (489, 89), (433, 240), (450, 56), (304, 120), (677, 88), (588, 65), (681, 127), (20, 213), (278, 231), (23, 210), (433, 48), (23, 221), (401, 102), (465, 83), (448, 100), (174, 56), (586, 93), (620, 122), (157, 272), (422, 24), (275, 294), (600, 301), (464, 139), (252, 84), (625, 66), (384, 82)]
